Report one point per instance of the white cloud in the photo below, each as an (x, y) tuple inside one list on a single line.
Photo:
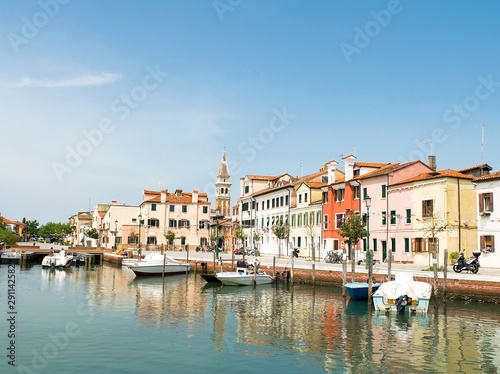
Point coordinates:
[(83, 81)]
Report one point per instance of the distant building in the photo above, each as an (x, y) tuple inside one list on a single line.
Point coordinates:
[(488, 216), (17, 228), (223, 189), (79, 223)]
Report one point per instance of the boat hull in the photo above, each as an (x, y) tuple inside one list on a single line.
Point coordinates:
[(235, 279), (417, 306), (358, 291), (150, 270), (60, 262)]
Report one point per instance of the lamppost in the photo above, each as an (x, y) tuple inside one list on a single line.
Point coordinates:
[(368, 202), (217, 212), (116, 231), (139, 236)]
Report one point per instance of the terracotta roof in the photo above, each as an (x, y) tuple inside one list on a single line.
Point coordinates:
[(101, 214), (316, 184), (495, 175), (482, 166), (448, 173), (262, 177), (371, 164), (343, 158)]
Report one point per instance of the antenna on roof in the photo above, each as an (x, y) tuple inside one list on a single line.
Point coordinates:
[(354, 146), (482, 142), (301, 168)]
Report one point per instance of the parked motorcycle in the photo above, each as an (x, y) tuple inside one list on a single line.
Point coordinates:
[(467, 264), (296, 252)]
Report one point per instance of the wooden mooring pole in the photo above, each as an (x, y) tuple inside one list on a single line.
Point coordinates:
[(445, 273)]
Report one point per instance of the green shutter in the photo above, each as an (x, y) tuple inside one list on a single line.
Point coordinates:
[(384, 191)]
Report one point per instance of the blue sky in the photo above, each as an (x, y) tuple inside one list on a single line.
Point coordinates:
[(102, 99)]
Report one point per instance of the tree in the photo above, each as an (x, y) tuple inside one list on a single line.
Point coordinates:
[(256, 238), (3, 226), (32, 228), (170, 236), (311, 231), (281, 231), (92, 233), (9, 237), (352, 230), (432, 227), (240, 235), (55, 231)]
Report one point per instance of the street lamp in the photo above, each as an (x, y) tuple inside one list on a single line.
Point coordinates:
[(217, 212), (368, 202), (139, 236), (116, 231)]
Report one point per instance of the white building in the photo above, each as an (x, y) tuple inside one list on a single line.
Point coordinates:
[(488, 217)]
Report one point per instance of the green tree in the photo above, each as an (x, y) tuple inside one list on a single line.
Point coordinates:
[(170, 236), (352, 230), (3, 226), (281, 231), (32, 228), (9, 237), (92, 233), (240, 235), (55, 231)]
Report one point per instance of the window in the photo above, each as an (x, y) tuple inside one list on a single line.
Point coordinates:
[(305, 197), (311, 218), (293, 220), (172, 223), (486, 203), (355, 192), (151, 240), (325, 197), (305, 219), (299, 220), (335, 244), (318, 218), (172, 208), (427, 208), (201, 224), (375, 245), (487, 243), (132, 239), (118, 240), (393, 217), (247, 189), (364, 244), (205, 209), (339, 220), (300, 198), (286, 200), (183, 240), (184, 208), (408, 216), (183, 223), (299, 242), (393, 244), (384, 218), (325, 221), (339, 195), (262, 205), (153, 207), (244, 207), (273, 203), (384, 247), (384, 191), (268, 204), (418, 245), (365, 193), (153, 222), (407, 245)]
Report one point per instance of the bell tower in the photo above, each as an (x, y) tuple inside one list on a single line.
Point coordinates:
[(223, 189)]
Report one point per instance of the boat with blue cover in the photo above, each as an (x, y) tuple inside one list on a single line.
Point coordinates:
[(358, 291)]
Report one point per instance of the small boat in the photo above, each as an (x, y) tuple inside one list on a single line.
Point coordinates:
[(403, 295), (358, 291), (10, 257), (152, 264), (243, 277), (60, 261)]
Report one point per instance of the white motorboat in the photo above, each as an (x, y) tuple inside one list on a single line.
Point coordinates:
[(243, 277), (9, 256), (59, 261), (403, 295), (152, 264)]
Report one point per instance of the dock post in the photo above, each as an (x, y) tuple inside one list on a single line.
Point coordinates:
[(344, 270), (274, 267), (445, 273), (436, 279), (187, 260), (214, 262), (102, 257)]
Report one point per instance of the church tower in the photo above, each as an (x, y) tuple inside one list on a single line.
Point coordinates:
[(223, 189)]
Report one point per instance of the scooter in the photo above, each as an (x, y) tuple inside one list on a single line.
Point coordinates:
[(467, 264), (296, 252)]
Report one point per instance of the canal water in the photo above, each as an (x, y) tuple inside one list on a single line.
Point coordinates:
[(105, 320)]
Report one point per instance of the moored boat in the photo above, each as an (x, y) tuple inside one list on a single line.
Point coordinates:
[(152, 264), (59, 260), (358, 291), (403, 295), (243, 276), (9, 256)]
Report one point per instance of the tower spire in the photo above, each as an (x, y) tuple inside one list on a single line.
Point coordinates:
[(223, 188)]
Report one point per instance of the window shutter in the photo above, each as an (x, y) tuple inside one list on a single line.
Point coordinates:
[(481, 203), (491, 201), (492, 243), (482, 242), (188, 224)]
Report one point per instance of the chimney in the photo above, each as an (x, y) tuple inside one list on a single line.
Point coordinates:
[(332, 167), (349, 167), (163, 196), (432, 162), (113, 202), (194, 198)]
